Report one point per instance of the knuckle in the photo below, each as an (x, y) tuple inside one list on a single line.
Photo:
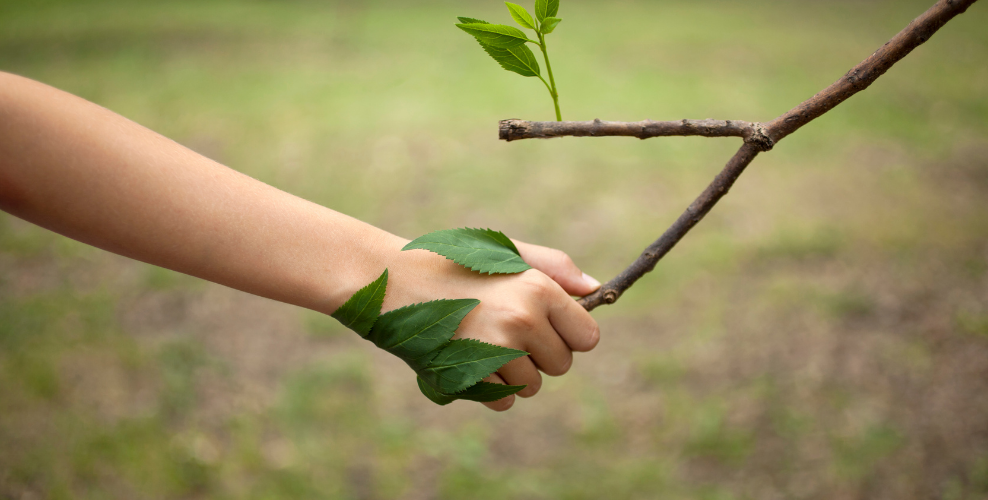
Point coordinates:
[(562, 259), (520, 319), (539, 284)]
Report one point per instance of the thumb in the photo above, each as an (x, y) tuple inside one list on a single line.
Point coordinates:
[(558, 266)]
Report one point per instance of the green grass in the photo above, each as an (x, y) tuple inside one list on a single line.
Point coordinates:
[(821, 334)]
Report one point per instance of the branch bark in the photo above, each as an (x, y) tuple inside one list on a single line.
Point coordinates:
[(758, 137), (513, 130)]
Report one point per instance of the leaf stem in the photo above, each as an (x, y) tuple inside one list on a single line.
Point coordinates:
[(547, 87), (552, 89)]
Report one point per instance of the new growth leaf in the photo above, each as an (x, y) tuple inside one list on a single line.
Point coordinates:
[(549, 25), (521, 16), (497, 35), (506, 45), (546, 8), (519, 59)]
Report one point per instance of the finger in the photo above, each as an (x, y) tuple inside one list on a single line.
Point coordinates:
[(503, 403), (573, 323), (558, 266), (548, 351), (522, 371)]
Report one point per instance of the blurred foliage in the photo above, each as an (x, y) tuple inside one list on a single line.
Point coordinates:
[(822, 334)]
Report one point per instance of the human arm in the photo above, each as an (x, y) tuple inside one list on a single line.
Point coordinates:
[(87, 173)]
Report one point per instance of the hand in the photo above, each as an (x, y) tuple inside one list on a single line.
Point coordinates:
[(531, 311)]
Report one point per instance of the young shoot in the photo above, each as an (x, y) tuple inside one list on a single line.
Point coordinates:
[(507, 44)]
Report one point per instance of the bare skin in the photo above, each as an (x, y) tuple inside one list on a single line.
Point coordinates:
[(85, 172)]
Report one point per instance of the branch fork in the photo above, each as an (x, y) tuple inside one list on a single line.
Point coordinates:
[(758, 137)]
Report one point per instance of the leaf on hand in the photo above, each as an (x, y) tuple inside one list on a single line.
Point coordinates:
[(498, 35), (482, 392), (420, 334), (482, 250), (549, 24), (464, 362), (416, 333), (434, 395), (545, 9), (520, 15), (360, 312), (519, 59), (470, 20)]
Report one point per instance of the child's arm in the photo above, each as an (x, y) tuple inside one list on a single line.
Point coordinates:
[(80, 170)]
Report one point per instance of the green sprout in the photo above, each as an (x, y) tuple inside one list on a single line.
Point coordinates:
[(506, 44)]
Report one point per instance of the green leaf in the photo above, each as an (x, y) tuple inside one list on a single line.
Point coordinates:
[(549, 24), (545, 9), (464, 362), (360, 312), (519, 59), (434, 395), (482, 250), (470, 20), (482, 392), (485, 392), (498, 35), (416, 333), (520, 15)]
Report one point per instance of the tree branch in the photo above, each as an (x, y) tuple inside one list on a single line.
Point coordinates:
[(758, 137), (609, 292), (865, 73), (512, 130)]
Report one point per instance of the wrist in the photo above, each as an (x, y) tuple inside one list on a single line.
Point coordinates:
[(370, 251)]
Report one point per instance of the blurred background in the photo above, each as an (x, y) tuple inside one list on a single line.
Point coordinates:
[(823, 333)]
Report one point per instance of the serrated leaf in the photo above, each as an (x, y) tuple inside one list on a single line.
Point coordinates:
[(416, 333), (464, 362), (482, 392), (434, 395), (520, 15), (545, 9), (360, 311), (485, 392), (497, 35), (518, 59), (482, 250), (470, 20), (549, 25)]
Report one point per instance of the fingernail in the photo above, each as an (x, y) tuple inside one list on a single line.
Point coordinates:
[(594, 284)]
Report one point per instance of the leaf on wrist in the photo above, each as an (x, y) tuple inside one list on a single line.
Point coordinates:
[(482, 250), (498, 35), (360, 312), (417, 333), (464, 362), (545, 9), (549, 25), (521, 16)]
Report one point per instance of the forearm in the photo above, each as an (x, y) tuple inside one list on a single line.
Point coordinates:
[(92, 175)]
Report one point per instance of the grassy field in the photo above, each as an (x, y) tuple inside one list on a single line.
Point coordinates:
[(822, 334)]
